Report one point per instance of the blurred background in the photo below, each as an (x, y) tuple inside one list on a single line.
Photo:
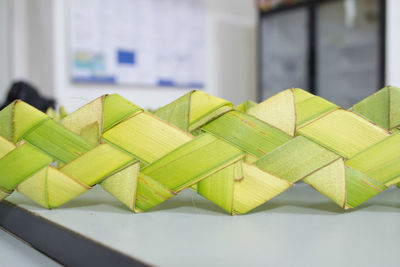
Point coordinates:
[(153, 51)]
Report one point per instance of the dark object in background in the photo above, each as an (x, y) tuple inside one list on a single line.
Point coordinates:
[(29, 94)]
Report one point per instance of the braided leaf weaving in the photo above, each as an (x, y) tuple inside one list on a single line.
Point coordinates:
[(237, 157)]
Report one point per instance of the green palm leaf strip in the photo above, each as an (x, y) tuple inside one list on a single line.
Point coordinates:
[(237, 157)]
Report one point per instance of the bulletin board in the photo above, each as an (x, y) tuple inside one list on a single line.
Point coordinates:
[(137, 42)]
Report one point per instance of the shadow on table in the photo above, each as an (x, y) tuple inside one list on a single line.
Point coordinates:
[(190, 203), (294, 201), (299, 200)]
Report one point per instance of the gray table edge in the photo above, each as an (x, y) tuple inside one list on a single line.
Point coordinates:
[(59, 243)]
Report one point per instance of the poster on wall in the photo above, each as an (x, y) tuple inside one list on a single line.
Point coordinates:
[(138, 42)]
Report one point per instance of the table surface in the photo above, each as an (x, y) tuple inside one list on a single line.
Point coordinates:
[(16, 253), (300, 227)]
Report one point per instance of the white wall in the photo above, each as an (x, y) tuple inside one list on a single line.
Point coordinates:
[(392, 43), (230, 55), (32, 47), (5, 68), (37, 51)]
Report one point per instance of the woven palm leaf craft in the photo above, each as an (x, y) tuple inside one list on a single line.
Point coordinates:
[(238, 158)]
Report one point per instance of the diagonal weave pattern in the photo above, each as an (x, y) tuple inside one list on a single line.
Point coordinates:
[(238, 158)]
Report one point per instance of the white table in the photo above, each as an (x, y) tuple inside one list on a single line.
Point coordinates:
[(298, 228), (16, 253)]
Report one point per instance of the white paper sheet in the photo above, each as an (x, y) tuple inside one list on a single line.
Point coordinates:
[(141, 42)]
